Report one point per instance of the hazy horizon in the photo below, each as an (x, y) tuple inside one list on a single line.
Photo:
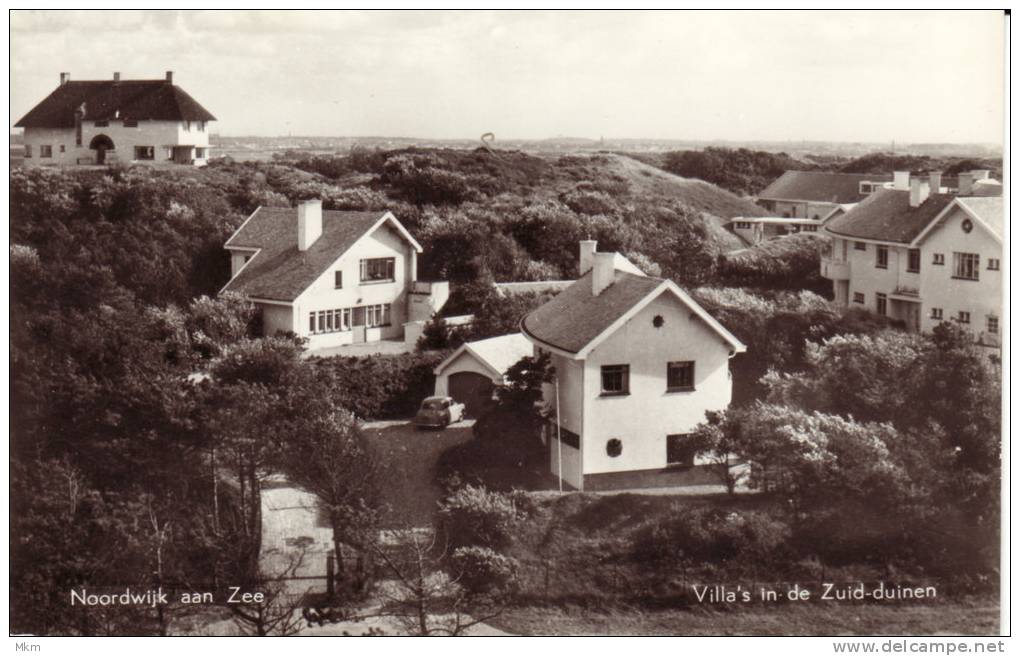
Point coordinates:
[(922, 77)]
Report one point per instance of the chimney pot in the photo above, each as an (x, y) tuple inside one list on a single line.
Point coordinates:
[(309, 223), (603, 272), (584, 262), (966, 184), (901, 180), (65, 78), (116, 76), (918, 191), (170, 77)]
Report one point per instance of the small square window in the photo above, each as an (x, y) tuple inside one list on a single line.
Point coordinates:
[(936, 313), (860, 246), (858, 297), (963, 317), (145, 152), (616, 380), (938, 258), (45, 151), (993, 264), (680, 376)]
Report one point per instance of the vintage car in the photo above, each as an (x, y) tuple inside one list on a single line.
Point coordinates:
[(438, 412)]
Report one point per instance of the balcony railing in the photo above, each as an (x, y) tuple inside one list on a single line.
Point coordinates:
[(835, 269)]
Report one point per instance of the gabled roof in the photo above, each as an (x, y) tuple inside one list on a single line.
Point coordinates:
[(279, 271), (140, 100), (821, 186), (496, 353), (575, 321), (886, 215), (986, 211)]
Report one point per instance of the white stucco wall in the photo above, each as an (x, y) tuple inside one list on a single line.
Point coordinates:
[(148, 133), (322, 294), (572, 474)]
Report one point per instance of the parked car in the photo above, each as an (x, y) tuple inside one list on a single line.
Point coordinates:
[(438, 412)]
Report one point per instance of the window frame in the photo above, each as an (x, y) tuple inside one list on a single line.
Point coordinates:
[(683, 366), (963, 316), (914, 260), (859, 297), (860, 246), (338, 279), (45, 151), (936, 313), (623, 370), (378, 315), (142, 151), (674, 445), (881, 256), (966, 263), (992, 325), (389, 265), (881, 304), (994, 264)]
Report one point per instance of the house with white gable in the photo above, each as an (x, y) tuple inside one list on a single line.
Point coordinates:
[(334, 278), (637, 364), (922, 257), (96, 122)]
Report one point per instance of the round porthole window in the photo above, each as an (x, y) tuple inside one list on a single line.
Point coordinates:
[(614, 447), (657, 321), (967, 225)]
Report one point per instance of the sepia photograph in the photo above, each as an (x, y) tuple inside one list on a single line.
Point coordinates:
[(503, 323)]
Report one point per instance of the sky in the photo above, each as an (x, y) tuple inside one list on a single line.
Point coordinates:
[(871, 76)]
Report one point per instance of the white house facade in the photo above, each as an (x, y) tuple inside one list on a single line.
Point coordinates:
[(921, 258), (637, 364), (334, 278), (101, 122)]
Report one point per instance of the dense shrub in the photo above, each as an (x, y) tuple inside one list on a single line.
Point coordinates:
[(740, 170), (475, 516), (482, 570), (382, 386), (710, 535)]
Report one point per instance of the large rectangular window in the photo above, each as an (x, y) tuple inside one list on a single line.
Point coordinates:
[(379, 269), (680, 376), (45, 151), (616, 380), (329, 321), (377, 315), (966, 266), (679, 450), (882, 257), (914, 260), (145, 152)]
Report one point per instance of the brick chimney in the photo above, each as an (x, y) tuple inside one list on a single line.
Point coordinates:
[(918, 191), (309, 223), (901, 180), (965, 186), (116, 76), (603, 272), (934, 182), (65, 78), (170, 77), (587, 254)]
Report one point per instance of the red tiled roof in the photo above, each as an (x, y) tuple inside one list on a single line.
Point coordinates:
[(140, 100), (887, 215), (821, 186), (280, 271)]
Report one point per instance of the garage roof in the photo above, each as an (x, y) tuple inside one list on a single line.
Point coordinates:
[(496, 353)]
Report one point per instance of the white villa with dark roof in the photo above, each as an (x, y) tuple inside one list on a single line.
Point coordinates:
[(334, 278), (922, 257), (638, 363), (95, 122)]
